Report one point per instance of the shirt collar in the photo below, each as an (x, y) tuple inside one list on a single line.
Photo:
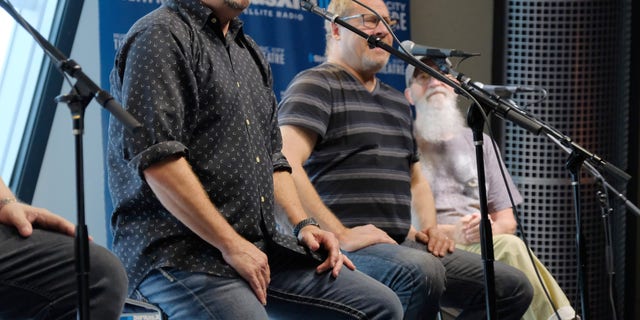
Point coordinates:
[(205, 16)]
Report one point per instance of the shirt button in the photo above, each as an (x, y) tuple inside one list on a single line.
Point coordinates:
[(261, 199), (258, 159)]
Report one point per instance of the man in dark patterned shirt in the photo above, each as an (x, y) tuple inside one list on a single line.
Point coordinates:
[(194, 192), (349, 140)]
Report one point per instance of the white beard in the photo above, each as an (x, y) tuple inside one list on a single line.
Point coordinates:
[(437, 117)]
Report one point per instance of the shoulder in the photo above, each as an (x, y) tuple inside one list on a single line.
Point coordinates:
[(392, 94), (311, 80), (162, 18), (160, 27)]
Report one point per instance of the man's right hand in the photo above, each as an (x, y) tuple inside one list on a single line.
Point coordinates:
[(23, 217), (352, 239), (252, 265)]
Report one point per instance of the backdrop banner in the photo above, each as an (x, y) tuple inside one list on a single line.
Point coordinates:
[(291, 38)]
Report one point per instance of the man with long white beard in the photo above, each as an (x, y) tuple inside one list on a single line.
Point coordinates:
[(447, 154)]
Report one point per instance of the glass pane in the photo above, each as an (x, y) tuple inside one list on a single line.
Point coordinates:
[(20, 62)]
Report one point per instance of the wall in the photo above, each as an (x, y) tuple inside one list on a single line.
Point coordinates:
[(462, 25)]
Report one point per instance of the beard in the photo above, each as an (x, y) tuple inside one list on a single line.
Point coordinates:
[(373, 62), (437, 116), (236, 5)]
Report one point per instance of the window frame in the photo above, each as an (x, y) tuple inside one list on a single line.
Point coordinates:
[(50, 81)]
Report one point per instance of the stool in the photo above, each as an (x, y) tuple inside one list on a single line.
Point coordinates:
[(138, 310)]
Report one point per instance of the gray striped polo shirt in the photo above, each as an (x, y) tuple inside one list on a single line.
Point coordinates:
[(361, 163)]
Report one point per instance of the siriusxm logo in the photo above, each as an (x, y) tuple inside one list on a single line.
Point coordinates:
[(289, 4), (147, 1)]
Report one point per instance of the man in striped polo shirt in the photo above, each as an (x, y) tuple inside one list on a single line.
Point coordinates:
[(348, 138)]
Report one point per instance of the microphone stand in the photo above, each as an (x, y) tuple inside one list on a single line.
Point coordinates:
[(476, 123), (78, 99), (578, 156), (507, 110), (602, 197)]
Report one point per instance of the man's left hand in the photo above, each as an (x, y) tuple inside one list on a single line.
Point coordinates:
[(315, 238), (437, 241)]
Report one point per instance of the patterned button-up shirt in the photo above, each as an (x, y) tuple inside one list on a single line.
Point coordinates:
[(207, 97)]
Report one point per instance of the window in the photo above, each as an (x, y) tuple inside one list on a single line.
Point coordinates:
[(21, 60), (29, 82)]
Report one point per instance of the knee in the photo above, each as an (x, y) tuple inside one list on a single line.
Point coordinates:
[(508, 240), (525, 289), (107, 275), (523, 295), (434, 270), (387, 305), (509, 246), (514, 285)]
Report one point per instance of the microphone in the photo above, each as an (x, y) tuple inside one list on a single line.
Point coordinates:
[(419, 50), (307, 5), (504, 91)]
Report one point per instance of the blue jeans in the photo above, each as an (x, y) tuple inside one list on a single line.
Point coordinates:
[(463, 281), (418, 278), (292, 292)]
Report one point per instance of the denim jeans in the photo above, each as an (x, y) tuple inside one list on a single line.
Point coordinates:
[(465, 286), (418, 278), (423, 282), (293, 293)]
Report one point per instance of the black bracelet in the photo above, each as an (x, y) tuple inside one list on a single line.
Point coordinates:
[(304, 223)]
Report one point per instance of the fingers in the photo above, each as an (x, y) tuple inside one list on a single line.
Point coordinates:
[(338, 266), (22, 224), (347, 262), (332, 261), (422, 237), (309, 239), (341, 260), (440, 247), (327, 240), (388, 239), (14, 214), (259, 284), (440, 244), (23, 217), (50, 221), (252, 265), (335, 259), (260, 281)]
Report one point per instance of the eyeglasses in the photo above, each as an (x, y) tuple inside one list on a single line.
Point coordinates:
[(422, 78), (371, 21)]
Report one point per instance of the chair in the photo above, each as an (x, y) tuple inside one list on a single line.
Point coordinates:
[(138, 310)]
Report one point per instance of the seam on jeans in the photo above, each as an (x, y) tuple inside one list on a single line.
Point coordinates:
[(50, 299), (26, 287), (317, 302), (190, 292), (167, 275), (403, 267)]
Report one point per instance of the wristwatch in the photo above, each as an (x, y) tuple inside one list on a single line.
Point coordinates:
[(302, 224)]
